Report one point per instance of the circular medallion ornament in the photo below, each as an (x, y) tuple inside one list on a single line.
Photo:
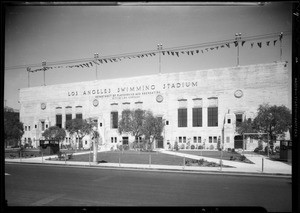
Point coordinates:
[(95, 102), (43, 106), (238, 93), (159, 98)]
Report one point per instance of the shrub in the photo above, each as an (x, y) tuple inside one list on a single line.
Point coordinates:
[(229, 149), (232, 158), (176, 146), (200, 147), (182, 146), (277, 149), (211, 147), (242, 158), (192, 147), (256, 150), (233, 150), (201, 162)]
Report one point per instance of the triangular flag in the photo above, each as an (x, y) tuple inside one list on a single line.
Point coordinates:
[(192, 52), (91, 63), (197, 51), (268, 43), (202, 51), (163, 52), (153, 53), (177, 54), (105, 60), (222, 46), (188, 52), (275, 42), (259, 44), (168, 52), (172, 53), (206, 49), (243, 42), (212, 48), (228, 45), (217, 47), (182, 52), (236, 43), (252, 43)]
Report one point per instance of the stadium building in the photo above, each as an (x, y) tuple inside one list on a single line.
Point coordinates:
[(198, 107)]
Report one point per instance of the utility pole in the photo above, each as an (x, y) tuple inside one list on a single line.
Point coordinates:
[(237, 38), (96, 56), (159, 47), (44, 68)]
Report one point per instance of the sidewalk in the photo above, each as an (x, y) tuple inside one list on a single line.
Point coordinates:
[(270, 167)]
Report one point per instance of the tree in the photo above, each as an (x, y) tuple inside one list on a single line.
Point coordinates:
[(55, 133), (152, 128), (274, 120), (79, 128), (132, 122), (13, 128)]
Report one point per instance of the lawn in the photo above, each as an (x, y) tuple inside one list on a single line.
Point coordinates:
[(133, 157)]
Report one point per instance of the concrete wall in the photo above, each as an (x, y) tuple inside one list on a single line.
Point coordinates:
[(262, 83)]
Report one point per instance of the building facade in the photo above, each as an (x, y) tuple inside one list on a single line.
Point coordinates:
[(199, 108)]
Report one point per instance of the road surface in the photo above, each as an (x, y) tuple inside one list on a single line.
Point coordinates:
[(42, 185)]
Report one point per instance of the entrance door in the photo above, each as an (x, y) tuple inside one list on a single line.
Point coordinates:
[(125, 140), (238, 142), (160, 143)]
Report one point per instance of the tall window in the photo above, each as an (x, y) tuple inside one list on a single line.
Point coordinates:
[(114, 120), (215, 139), (58, 120), (197, 117), (182, 117), (212, 116), (239, 119), (68, 117), (78, 115), (43, 125)]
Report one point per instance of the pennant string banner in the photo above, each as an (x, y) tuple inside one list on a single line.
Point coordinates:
[(193, 51)]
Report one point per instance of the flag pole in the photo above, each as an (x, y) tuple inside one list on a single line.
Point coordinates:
[(28, 70), (96, 56), (237, 38), (159, 47), (280, 39), (44, 68)]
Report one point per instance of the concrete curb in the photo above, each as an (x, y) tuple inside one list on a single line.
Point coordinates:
[(144, 167)]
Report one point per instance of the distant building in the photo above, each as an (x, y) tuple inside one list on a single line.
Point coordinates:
[(199, 107)]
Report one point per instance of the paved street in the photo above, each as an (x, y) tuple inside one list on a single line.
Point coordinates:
[(45, 185)]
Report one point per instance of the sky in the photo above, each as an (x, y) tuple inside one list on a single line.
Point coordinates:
[(34, 34)]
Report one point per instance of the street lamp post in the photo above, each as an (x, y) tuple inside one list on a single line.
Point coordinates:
[(159, 47), (237, 38)]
